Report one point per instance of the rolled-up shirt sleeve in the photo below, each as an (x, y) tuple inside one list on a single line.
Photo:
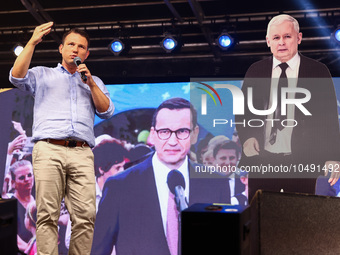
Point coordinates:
[(25, 84)]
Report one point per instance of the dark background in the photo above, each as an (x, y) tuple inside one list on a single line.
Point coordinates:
[(142, 24)]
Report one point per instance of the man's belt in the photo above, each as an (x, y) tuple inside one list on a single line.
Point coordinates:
[(67, 142)]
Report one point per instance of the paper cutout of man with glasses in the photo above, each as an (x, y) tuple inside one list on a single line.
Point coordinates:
[(132, 214)]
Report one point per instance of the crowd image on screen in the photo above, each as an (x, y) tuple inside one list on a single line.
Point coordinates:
[(219, 150)]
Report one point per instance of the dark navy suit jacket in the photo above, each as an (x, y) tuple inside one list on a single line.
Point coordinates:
[(129, 215), (315, 139)]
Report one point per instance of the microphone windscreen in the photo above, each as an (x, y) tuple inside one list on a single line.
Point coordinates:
[(77, 61), (175, 178)]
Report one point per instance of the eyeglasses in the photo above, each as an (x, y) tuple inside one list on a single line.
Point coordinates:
[(181, 134)]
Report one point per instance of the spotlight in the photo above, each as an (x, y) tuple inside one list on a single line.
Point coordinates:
[(17, 49), (116, 46), (169, 43), (336, 35), (224, 41)]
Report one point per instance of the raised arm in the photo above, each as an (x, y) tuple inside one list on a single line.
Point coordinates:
[(23, 61)]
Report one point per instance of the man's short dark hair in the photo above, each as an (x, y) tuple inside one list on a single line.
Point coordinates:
[(77, 31), (106, 154), (176, 103), (227, 145)]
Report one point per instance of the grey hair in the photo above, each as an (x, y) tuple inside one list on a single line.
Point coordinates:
[(279, 19)]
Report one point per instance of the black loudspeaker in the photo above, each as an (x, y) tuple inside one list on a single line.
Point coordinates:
[(294, 223), (208, 229), (8, 226)]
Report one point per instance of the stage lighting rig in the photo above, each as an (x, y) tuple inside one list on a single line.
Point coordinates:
[(17, 49), (169, 43), (224, 41), (116, 46), (336, 35)]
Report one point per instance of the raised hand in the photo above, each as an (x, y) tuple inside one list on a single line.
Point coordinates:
[(40, 32)]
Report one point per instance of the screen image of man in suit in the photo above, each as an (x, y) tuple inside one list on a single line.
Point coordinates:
[(299, 150), (135, 208)]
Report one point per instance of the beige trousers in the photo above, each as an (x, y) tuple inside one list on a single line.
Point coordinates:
[(64, 172)]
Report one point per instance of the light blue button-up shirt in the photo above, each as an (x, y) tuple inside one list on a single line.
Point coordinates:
[(63, 106)]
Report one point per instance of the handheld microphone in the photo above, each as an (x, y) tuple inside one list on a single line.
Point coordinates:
[(176, 184), (77, 61)]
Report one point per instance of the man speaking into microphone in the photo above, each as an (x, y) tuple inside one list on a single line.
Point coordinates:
[(138, 213), (64, 109)]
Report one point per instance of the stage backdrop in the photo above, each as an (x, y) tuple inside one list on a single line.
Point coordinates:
[(135, 105)]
